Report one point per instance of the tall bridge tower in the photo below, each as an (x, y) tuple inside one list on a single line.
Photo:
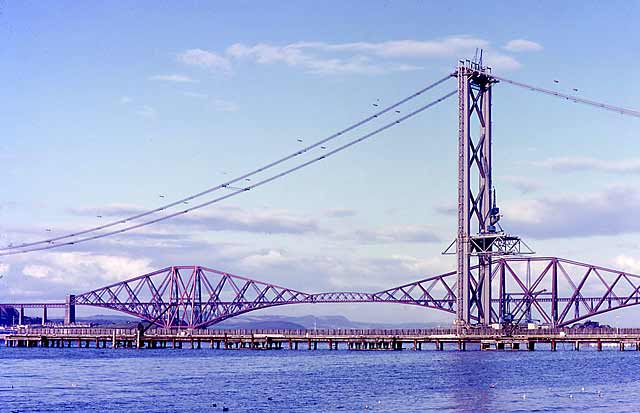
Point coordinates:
[(479, 236)]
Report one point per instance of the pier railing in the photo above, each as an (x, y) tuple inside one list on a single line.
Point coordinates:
[(490, 332)]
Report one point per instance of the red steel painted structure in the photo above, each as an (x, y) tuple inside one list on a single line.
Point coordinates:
[(553, 291)]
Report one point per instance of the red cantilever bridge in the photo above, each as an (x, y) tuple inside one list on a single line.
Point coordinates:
[(555, 291)]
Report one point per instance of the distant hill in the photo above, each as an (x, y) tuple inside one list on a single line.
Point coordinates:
[(311, 322), (263, 322)]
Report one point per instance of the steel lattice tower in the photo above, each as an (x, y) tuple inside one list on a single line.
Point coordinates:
[(479, 238), (474, 202)]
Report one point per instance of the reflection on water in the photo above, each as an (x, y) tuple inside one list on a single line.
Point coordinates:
[(206, 380)]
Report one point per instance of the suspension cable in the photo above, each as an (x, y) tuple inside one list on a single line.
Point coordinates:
[(234, 180), (239, 190), (623, 111)]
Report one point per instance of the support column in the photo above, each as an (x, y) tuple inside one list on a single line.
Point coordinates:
[(21, 316), (474, 199), (70, 310), (554, 293), (44, 315)]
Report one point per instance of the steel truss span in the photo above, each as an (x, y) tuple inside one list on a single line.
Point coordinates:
[(552, 291), (197, 297)]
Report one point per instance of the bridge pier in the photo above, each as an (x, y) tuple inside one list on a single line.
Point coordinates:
[(44, 315), (70, 310), (21, 316)]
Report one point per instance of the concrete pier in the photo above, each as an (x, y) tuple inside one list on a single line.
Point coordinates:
[(70, 310)]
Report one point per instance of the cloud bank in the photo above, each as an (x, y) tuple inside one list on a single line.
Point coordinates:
[(357, 57)]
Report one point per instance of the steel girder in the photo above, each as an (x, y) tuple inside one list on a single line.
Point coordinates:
[(197, 297), (559, 292), (553, 291)]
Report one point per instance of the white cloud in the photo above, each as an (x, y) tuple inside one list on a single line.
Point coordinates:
[(521, 45), (296, 55), (583, 163), (522, 184), (37, 271), (426, 267), (626, 263), (452, 46), (222, 218), (173, 78), (353, 57), (499, 61), (206, 59), (125, 100), (268, 258), (397, 233), (352, 273), (614, 210), (148, 112), (85, 268), (375, 274)]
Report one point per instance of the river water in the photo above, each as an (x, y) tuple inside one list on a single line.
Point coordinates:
[(129, 380)]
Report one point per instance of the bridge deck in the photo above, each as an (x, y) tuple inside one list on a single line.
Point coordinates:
[(415, 339)]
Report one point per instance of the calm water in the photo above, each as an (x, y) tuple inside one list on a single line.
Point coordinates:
[(56, 380)]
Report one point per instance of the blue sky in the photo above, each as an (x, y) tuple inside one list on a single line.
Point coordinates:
[(106, 107)]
